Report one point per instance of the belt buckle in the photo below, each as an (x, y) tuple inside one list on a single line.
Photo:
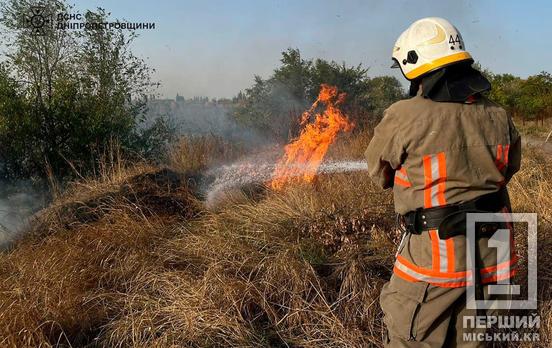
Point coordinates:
[(411, 220)]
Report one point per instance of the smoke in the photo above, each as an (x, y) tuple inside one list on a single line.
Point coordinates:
[(18, 202), (202, 117)]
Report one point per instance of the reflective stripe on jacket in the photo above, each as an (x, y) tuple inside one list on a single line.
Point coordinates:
[(433, 154), (426, 257)]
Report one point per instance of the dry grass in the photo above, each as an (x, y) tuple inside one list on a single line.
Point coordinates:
[(276, 272), (193, 154), (351, 146), (133, 259), (530, 191), (534, 128), (95, 238)]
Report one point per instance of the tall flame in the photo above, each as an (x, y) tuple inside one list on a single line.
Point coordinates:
[(303, 156)]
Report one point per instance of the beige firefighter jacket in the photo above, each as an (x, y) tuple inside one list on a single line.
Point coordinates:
[(433, 154)]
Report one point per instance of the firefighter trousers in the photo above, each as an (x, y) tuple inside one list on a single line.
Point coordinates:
[(418, 314)]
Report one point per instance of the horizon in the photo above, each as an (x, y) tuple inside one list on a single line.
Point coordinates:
[(214, 49)]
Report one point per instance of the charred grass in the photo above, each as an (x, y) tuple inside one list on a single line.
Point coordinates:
[(134, 259)]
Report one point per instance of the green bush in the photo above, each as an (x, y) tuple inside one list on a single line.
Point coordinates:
[(531, 98), (67, 96)]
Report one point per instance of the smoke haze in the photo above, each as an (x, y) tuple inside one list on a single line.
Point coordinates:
[(18, 201)]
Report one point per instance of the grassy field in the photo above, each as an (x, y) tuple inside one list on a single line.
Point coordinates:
[(539, 129), (135, 258)]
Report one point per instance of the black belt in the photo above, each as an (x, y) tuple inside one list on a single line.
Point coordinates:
[(433, 218)]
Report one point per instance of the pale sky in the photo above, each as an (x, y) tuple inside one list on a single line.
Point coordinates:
[(213, 48)]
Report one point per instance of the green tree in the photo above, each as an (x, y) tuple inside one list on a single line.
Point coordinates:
[(351, 80), (273, 106), (529, 98), (381, 92), (505, 89), (535, 97), (253, 107), (78, 92), (294, 74)]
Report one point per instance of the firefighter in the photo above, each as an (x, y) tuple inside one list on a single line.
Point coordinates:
[(445, 152)]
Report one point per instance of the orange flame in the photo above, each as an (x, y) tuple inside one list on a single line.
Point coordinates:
[(303, 155)]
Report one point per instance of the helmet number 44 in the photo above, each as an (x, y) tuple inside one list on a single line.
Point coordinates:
[(455, 41)]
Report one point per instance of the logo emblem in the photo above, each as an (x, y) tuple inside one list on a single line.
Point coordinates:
[(36, 19), (439, 37), (501, 241)]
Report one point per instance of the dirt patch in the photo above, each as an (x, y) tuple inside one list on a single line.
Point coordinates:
[(162, 193)]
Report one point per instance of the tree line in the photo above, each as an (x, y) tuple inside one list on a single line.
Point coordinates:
[(526, 99), (67, 98), (274, 105)]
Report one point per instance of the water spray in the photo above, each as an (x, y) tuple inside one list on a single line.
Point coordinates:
[(240, 174)]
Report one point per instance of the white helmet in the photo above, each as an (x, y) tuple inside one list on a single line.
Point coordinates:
[(428, 44)]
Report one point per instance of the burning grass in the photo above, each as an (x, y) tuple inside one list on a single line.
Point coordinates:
[(303, 156), (302, 266)]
